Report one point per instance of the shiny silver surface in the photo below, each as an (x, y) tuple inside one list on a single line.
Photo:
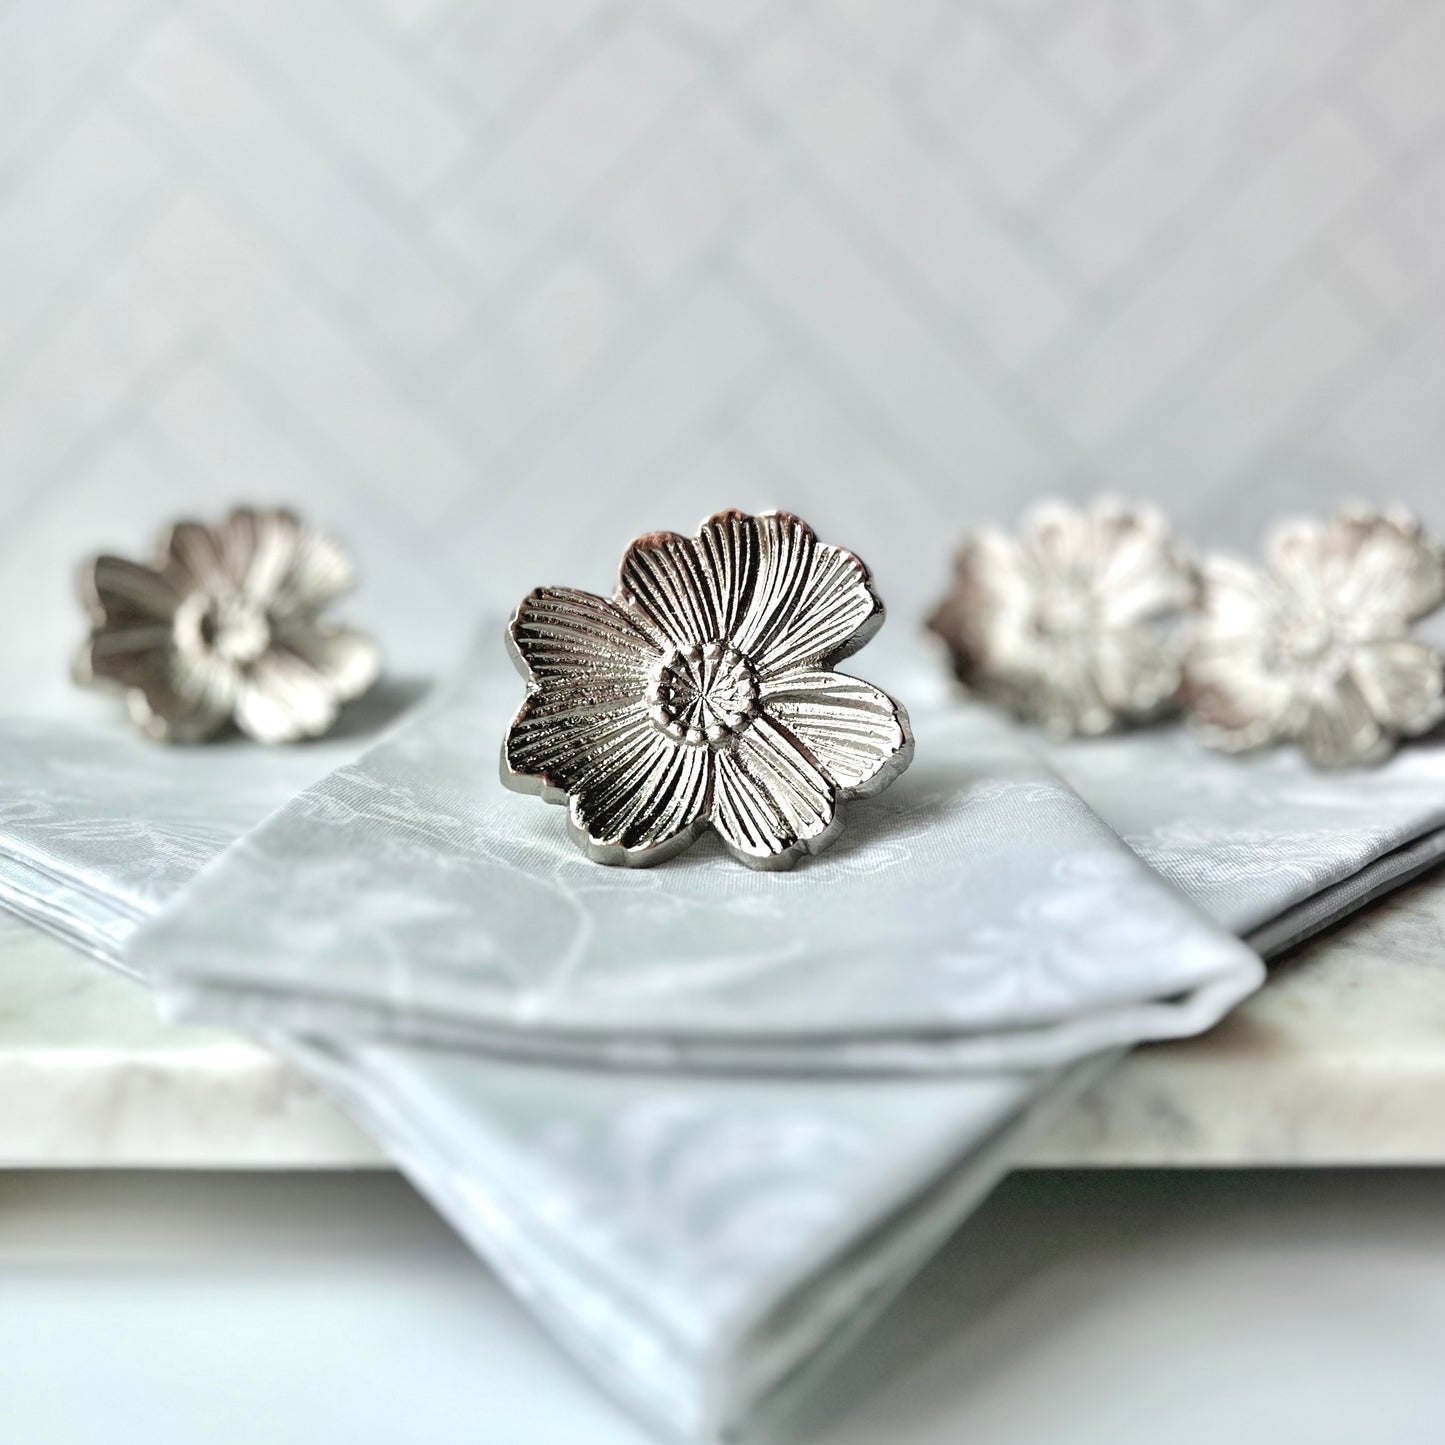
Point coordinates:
[(1314, 647), (223, 628), (1075, 622), (702, 694)]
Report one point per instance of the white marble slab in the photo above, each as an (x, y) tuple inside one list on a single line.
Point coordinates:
[(1340, 1060), (89, 1076)]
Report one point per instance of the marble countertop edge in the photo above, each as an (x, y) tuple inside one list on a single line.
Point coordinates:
[(1339, 1060)]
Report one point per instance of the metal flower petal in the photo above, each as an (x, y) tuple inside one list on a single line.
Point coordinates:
[(1074, 624), (223, 629), (702, 694), (1315, 648)]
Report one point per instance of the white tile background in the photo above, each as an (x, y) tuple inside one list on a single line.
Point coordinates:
[(492, 285)]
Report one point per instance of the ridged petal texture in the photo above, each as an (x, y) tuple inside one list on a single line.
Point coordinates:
[(704, 693)]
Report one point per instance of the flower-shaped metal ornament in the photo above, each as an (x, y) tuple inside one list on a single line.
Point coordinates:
[(703, 694), (1075, 623), (223, 628), (1315, 647)]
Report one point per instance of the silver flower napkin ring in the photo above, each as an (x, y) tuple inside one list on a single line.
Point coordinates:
[(1076, 623), (703, 694), (223, 628), (1314, 647), (1094, 619)]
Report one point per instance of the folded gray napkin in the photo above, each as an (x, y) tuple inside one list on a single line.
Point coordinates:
[(977, 916), (703, 1243), (1272, 848), (700, 1244), (100, 828)]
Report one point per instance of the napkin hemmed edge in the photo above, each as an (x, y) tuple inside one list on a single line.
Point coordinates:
[(257, 1011)]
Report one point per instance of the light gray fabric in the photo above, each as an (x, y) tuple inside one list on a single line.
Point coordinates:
[(699, 1243), (976, 916), (1251, 838), (100, 828)]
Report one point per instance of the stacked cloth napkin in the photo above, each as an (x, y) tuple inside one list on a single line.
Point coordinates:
[(704, 1121)]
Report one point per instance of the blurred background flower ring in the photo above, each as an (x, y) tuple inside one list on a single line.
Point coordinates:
[(224, 629), (1074, 623), (1315, 646)]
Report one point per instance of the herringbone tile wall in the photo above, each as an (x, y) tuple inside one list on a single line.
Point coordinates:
[(494, 284)]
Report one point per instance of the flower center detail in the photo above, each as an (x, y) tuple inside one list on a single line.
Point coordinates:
[(1308, 640), (703, 694), (1064, 613), (232, 628)]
